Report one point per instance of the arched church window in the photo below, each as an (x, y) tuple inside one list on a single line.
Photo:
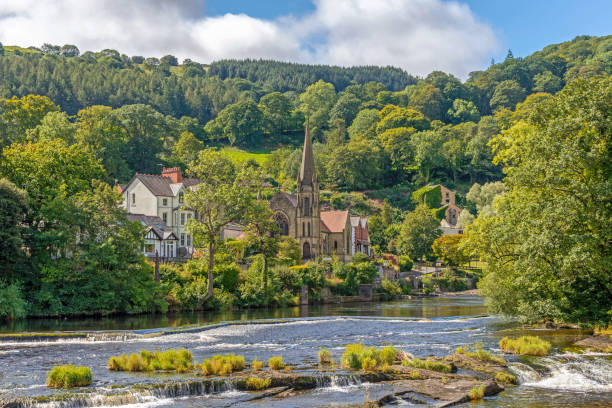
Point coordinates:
[(306, 207), (303, 229), (282, 222), (308, 229)]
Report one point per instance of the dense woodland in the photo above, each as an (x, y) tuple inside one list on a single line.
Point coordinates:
[(72, 125)]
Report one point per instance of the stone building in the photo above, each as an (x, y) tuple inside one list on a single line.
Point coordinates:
[(299, 215)]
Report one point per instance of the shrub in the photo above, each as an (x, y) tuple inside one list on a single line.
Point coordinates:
[(179, 360), (476, 393), (525, 345), (477, 352), (359, 357), (325, 357), (428, 364), (68, 376), (414, 375), (257, 365), (12, 303), (223, 365), (505, 378), (405, 263), (391, 288), (256, 384), (276, 363)]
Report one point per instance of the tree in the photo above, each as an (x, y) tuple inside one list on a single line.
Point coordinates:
[(276, 109), (547, 82), (463, 111), (482, 196), (55, 125), (397, 145), (346, 108), (364, 124), (13, 207), (69, 50), (548, 248), (289, 249), (241, 123), (187, 148), (355, 165), (316, 103), (17, 115), (448, 248), (222, 197), (391, 117), (507, 94), (418, 232), (428, 100), (427, 152), (169, 60)]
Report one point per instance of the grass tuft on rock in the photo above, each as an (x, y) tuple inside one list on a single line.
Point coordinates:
[(257, 384), (525, 345), (69, 376), (428, 364), (477, 352), (276, 363), (325, 357), (256, 365), (359, 357), (505, 378), (476, 393), (223, 365), (179, 360)]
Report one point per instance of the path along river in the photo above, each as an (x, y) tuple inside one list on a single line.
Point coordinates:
[(431, 326)]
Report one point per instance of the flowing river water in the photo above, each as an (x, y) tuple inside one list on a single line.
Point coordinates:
[(429, 326)]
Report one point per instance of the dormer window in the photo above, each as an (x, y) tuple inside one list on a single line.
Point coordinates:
[(181, 198)]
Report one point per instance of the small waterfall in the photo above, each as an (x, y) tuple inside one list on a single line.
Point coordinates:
[(337, 382), (571, 372), (112, 336)]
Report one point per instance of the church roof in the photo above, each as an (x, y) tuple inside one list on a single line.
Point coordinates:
[(307, 171), (334, 220)]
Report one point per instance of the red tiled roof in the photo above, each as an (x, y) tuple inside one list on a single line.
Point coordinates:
[(335, 221)]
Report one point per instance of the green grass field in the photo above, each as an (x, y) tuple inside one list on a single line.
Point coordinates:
[(237, 155)]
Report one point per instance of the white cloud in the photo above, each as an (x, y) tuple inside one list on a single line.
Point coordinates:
[(417, 35)]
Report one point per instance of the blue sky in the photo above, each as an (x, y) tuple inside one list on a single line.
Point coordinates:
[(524, 26), (419, 36)]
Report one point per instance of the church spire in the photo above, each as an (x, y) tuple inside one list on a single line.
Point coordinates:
[(307, 175)]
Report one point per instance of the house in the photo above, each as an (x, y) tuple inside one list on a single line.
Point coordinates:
[(361, 238), (159, 240), (319, 233), (452, 210), (163, 196)]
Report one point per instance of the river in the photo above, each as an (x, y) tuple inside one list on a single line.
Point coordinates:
[(430, 326)]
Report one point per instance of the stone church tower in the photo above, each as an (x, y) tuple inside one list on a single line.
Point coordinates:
[(308, 220)]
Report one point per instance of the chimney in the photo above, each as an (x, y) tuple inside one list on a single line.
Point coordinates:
[(174, 173)]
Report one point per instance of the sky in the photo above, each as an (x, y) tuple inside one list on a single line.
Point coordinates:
[(419, 36)]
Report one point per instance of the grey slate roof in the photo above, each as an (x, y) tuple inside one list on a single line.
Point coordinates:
[(154, 223), (160, 186)]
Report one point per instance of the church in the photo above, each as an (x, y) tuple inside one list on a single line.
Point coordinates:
[(318, 232)]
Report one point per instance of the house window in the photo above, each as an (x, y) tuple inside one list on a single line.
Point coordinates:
[(447, 198), (182, 239), (335, 245), (188, 240), (133, 199), (165, 201), (181, 198), (165, 217), (183, 219), (188, 217), (150, 248)]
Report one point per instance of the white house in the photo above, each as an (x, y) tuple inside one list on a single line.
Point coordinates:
[(163, 196), (159, 240), (360, 236)]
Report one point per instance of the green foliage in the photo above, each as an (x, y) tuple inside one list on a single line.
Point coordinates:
[(448, 248), (428, 364), (12, 303), (256, 364), (418, 232), (405, 263), (557, 164), (276, 363), (14, 204), (478, 352), (476, 393), (394, 290), (525, 345), (179, 360), (325, 357), (428, 195), (505, 378), (69, 376), (223, 365), (258, 384), (359, 357)]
